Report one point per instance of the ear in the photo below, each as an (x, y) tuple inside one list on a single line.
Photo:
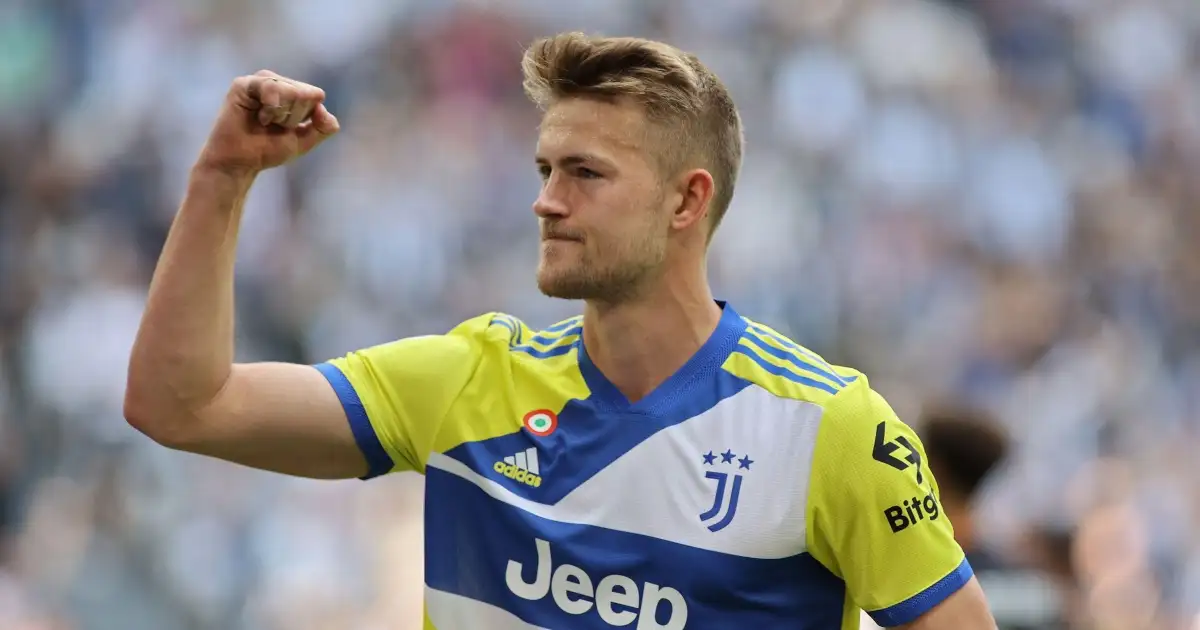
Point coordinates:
[(695, 190)]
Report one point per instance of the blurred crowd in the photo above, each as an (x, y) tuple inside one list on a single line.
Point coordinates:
[(985, 203)]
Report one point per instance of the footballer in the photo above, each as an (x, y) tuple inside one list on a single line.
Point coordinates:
[(659, 462)]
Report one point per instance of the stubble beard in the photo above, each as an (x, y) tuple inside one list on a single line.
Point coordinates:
[(582, 280)]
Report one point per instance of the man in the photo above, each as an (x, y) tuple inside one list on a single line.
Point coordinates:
[(965, 446), (659, 460)]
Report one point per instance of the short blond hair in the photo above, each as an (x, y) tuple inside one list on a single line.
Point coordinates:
[(678, 92)]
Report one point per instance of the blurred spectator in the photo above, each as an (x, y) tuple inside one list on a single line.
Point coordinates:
[(965, 447)]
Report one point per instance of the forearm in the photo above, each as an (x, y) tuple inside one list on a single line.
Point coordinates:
[(184, 350)]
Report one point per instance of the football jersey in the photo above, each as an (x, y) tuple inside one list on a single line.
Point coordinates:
[(758, 487)]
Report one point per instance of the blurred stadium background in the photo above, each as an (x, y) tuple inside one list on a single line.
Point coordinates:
[(986, 204)]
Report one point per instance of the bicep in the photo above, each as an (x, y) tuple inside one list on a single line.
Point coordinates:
[(371, 412), (966, 609), (279, 417)]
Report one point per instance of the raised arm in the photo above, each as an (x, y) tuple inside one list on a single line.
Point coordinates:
[(184, 389)]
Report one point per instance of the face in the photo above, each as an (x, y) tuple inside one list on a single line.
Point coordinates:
[(603, 208)]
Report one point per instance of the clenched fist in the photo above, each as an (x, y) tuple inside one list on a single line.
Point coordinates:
[(265, 121)]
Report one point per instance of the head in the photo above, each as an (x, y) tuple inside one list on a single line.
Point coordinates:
[(964, 445), (639, 149)]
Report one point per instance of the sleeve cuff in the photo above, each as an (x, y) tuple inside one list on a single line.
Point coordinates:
[(378, 460), (921, 603)]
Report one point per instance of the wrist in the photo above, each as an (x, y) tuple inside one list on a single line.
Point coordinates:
[(212, 174)]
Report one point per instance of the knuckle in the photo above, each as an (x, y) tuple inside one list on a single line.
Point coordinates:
[(264, 73)]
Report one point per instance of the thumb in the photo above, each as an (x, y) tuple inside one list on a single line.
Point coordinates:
[(323, 125), (324, 122)]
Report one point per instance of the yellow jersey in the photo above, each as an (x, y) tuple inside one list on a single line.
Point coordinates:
[(758, 487)]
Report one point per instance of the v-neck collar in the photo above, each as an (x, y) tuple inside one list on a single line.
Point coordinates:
[(708, 358)]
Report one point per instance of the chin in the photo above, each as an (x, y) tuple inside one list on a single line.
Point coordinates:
[(561, 284), (579, 284)]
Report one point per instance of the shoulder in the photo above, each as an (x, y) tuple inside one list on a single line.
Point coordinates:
[(771, 361), (508, 335), (851, 411), (525, 361), (554, 341), (510, 347), (511, 333), (489, 350), (493, 335), (487, 334)]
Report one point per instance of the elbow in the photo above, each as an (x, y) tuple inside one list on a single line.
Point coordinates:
[(148, 415), (157, 404), (165, 428), (145, 419), (143, 408)]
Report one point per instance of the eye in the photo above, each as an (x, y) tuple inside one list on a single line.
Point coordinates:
[(544, 171), (587, 173)]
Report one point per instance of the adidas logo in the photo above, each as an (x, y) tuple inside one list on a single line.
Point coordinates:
[(522, 467)]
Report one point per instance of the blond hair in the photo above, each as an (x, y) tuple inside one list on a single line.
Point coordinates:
[(679, 93)]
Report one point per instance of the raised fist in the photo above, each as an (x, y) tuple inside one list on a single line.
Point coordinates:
[(265, 121)]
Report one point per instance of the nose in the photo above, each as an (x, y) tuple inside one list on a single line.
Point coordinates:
[(551, 200)]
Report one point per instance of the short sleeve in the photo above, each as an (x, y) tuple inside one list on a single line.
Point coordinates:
[(396, 395), (874, 514)]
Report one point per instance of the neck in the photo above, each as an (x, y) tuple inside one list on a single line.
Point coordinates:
[(639, 343), (964, 530)]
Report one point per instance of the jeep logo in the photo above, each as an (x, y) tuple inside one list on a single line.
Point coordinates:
[(618, 599)]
